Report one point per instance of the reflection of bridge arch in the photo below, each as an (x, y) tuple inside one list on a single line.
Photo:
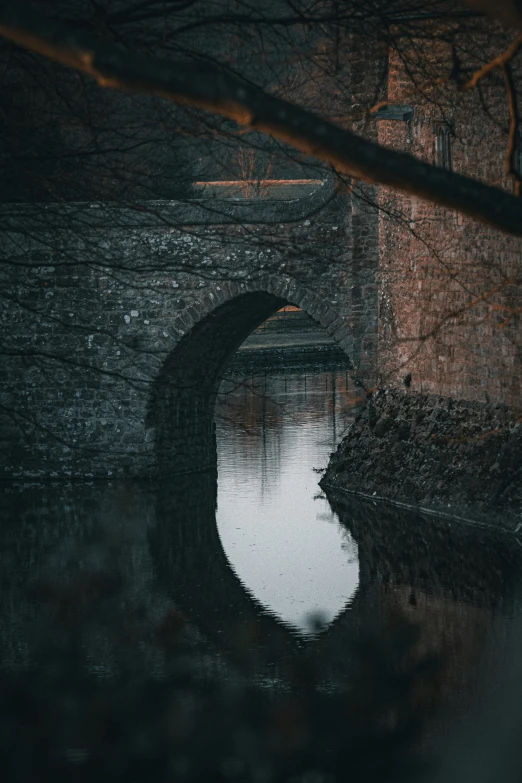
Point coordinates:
[(182, 404), (194, 570), (399, 559)]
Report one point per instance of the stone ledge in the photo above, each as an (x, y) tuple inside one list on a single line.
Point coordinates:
[(298, 204), (447, 456)]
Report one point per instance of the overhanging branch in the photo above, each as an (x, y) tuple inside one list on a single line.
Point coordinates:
[(209, 88)]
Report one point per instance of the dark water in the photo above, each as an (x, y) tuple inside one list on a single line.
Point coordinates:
[(282, 637)]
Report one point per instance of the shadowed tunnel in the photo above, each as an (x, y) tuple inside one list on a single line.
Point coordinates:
[(184, 395)]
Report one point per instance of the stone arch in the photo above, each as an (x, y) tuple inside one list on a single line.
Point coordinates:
[(181, 409)]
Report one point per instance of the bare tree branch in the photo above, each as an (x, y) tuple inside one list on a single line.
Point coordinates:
[(217, 91), (497, 62), (510, 168)]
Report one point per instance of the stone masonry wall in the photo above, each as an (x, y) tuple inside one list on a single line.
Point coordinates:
[(458, 457)]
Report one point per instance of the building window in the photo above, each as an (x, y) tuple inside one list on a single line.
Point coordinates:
[(444, 135)]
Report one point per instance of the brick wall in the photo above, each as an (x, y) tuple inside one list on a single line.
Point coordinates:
[(450, 288)]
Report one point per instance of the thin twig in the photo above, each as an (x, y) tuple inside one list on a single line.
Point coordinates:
[(497, 62), (511, 167)]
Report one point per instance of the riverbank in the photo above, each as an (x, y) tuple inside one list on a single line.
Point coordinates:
[(455, 457)]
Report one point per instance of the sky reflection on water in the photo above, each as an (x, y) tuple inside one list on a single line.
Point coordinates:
[(279, 533)]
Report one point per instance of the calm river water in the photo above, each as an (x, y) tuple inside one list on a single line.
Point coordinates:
[(245, 627), (279, 533)]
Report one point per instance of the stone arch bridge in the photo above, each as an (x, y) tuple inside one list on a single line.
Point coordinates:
[(121, 321)]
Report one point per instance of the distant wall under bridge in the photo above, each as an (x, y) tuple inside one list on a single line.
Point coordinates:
[(118, 324)]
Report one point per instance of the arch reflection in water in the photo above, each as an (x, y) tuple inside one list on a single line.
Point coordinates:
[(279, 533)]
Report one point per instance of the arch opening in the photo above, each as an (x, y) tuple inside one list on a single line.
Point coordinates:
[(182, 405), (321, 579)]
